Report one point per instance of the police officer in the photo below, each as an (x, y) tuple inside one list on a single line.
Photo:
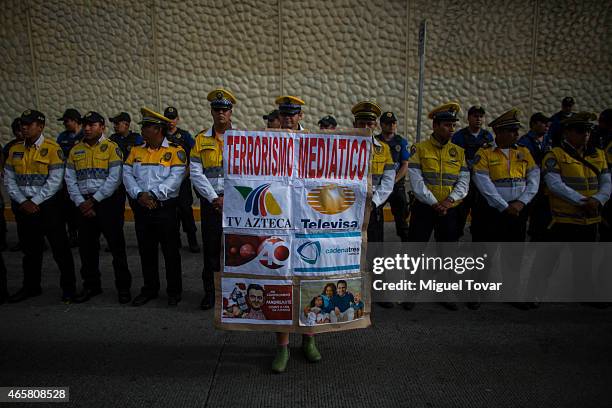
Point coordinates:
[(93, 175), (206, 166), (439, 178), (508, 179), (17, 138), (606, 227), (272, 119), (578, 179), (123, 136), (471, 138), (152, 175), (185, 201), (400, 154), (601, 135), (34, 172), (69, 137), (328, 123), (555, 134), (538, 209), (382, 169)]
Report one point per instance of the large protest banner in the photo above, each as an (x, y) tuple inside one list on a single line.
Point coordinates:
[(294, 226)]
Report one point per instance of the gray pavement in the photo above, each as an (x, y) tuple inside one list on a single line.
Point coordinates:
[(120, 356)]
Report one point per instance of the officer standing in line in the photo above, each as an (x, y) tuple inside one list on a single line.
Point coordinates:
[(439, 178), (538, 209), (601, 135), (72, 134), (93, 175), (185, 202), (33, 175), (555, 134), (206, 166), (152, 175), (17, 138), (605, 234), (123, 136), (400, 153), (471, 138), (508, 179), (328, 123), (382, 169), (272, 119), (578, 179)]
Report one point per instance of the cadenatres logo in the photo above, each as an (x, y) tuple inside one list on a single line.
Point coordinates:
[(309, 251), (259, 201), (331, 199)]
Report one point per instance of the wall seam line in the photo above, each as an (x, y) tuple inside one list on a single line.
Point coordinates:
[(156, 56), (534, 44), (33, 57), (280, 46), (407, 69)]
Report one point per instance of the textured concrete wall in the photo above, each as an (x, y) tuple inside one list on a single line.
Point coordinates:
[(117, 55)]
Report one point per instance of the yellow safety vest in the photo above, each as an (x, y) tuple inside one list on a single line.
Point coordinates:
[(578, 177), (440, 166)]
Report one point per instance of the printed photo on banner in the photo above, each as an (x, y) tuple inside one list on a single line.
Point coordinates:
[(259, 155), (257, 253), (333, 157), (326, 253), (254, 204), (331, 301), (328, 206), (257, 301)]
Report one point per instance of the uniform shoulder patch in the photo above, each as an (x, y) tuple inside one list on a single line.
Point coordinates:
[(167, 156), (60, 154), (550, 163), (476, 158), (413, 149), (44, 151), (398, 148), (181, 156), (119, 152), (452, 152), (104, 147)]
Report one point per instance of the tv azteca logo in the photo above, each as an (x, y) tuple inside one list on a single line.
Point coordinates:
[(259, 200), (262, 209)]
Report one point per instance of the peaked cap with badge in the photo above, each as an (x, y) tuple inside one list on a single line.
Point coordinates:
[(445, 113), (150, 117), (221, 98), (367, 110), (507, 120), (289, 105)]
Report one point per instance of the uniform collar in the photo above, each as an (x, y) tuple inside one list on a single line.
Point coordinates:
[(209, 132), (100, 140), (376, 141), (437, 144), (164, 143), (37, 143)]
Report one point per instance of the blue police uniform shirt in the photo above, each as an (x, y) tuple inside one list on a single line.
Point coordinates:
[(183, 138), (470, 143), (536, 147), (68, 139), (399, 150)]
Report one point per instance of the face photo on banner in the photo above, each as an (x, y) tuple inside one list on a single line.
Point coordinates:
[(257, 301), (258, 253), (331, 301), (257, 204), (328, 206), (329, 253)]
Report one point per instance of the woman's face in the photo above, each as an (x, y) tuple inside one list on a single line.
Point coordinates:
[(329, 291)]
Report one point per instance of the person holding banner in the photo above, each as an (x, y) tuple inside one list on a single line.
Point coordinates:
[(382, 169), (206, 168), (152, 175), (290, 109)]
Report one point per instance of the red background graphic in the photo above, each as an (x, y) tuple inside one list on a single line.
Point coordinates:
[(279, 301)]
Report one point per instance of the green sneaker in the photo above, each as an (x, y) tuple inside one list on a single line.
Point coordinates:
[(310, 349), (279, 365)]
